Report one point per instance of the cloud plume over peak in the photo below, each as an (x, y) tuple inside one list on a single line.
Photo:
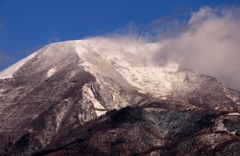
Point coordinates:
[(210, 44)]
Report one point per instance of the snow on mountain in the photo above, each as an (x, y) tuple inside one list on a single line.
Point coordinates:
[(8, 73), (126, 62), (51, 72), (46, 98), (149, 79)]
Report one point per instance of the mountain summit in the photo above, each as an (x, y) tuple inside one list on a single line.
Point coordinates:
[(95, 97)]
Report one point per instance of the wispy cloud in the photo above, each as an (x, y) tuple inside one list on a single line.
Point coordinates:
[(206, 41), (210, 44), (29, 50), (4, 57), (170, 25), (54, 38), (5, 60)]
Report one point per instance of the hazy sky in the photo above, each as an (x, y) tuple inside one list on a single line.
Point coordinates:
[(202, 34)]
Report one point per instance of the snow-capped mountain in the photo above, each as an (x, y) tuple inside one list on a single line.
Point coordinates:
[(70, 87)]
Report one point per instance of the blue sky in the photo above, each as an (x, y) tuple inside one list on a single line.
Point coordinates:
[(28, 25)]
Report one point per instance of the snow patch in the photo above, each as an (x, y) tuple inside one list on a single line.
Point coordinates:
[(8, 73), (51, 72), (100, 110), (149, 79), (234, 113), (99, 113), (231, 96)]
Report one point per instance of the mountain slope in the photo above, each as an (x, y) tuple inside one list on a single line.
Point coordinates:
[(54, 94)]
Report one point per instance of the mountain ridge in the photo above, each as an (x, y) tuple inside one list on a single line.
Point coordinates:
[(66, 86)]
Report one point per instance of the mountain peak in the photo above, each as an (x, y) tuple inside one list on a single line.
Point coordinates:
[(59, 95)]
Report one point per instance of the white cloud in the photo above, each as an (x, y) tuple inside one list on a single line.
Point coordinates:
[(54, 38), (210, 44)]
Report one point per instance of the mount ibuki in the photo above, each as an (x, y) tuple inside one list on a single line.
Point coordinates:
[(95, 97)]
